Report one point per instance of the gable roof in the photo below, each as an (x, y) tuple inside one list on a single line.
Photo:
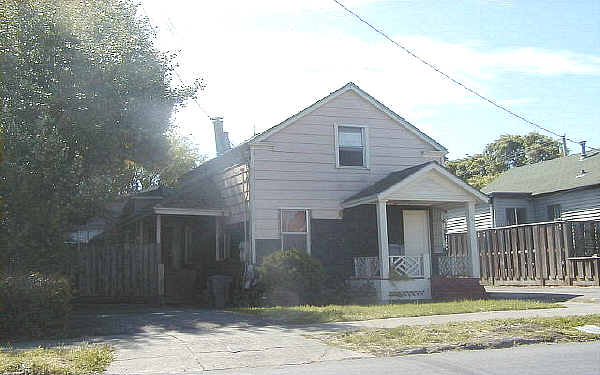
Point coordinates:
[(397, 177), (350, 86), (549, 176), (236, 152)]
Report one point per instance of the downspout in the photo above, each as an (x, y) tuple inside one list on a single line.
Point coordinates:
[(252, 185)]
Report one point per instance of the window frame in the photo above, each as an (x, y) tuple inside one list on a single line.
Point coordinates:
[(550, 212), (307, 218), (222, 241), (365, 137), (515, 211)]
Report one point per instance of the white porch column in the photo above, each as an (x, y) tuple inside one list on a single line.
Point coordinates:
[(382, 239), (472, 239)]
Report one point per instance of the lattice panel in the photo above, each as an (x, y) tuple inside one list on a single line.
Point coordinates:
[(366, 267), (407, 266), (454, 266)]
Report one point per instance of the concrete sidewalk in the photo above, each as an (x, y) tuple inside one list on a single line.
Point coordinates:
[(238, 346), (175, 340)]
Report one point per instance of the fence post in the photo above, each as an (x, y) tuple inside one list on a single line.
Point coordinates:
[(568, 240), (161, 283), (538, 255)]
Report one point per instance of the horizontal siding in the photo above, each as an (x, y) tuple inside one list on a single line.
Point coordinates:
[(456, 222), (296, 167), (233, 183), (575, 205)]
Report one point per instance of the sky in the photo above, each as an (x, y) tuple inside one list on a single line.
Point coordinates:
[(265, 60)]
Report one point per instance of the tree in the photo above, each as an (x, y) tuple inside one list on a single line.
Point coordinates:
[(85, 95), (506, 152)]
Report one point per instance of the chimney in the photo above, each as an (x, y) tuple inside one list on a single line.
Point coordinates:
[(222, 143), (583, 154)]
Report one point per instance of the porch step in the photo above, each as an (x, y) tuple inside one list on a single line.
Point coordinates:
[(457, 288)]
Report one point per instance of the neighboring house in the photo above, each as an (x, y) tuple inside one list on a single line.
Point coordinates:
[(566, 188), (347, 180), (96, 227)]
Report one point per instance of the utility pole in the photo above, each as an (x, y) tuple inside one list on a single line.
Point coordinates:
[(564, 145)]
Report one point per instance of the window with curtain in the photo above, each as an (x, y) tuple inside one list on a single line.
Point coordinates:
[(295, 230)]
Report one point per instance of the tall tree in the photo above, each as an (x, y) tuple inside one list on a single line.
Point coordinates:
[(506, 152), (85, 94)]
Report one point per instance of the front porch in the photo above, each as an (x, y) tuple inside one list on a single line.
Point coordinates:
[(410, 250)]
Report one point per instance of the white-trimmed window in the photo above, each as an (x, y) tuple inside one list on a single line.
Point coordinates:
[(295, 229), (351, 146)]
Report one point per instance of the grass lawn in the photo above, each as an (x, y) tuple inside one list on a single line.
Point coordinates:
[(468, 335), (85, 359), (346, 313)]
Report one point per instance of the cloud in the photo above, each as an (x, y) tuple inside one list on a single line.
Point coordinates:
[(260, 70)]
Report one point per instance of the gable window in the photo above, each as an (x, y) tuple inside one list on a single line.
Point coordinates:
[(351, 146), (295, 230), (554, 212), (516, 216)]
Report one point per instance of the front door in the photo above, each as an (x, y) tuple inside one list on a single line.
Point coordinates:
[(416, 232)]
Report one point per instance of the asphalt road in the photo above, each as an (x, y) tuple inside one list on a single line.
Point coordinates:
[(543, 359)]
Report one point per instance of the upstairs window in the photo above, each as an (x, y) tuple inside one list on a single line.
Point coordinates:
[(295, 230), (516, 216), (554, 212), (351, 146)]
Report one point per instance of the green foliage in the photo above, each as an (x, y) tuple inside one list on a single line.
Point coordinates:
[(81, 359), (33, 305), (506, 152), (292, 274), (87, 102)]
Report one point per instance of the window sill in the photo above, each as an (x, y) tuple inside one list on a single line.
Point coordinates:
[(351, 167)]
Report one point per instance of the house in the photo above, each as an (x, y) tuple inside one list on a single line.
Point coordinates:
[(566, 188), (346, 179)]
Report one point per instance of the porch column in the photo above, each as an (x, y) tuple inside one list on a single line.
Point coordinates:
[(472, 239), (382, 239), (158, 229)]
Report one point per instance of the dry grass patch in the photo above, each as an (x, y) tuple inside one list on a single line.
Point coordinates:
[(468, 335), (84, 359), (345, 313)]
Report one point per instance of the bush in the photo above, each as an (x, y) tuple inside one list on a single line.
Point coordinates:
[(291, 277), (33, 305)]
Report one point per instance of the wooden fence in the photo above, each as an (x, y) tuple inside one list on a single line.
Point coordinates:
[(555, 253), (123, 272)]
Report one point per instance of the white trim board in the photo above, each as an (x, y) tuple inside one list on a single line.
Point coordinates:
[(188, 211)]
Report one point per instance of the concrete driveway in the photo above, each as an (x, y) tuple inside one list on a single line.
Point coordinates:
[(589, 294), (173, 340)]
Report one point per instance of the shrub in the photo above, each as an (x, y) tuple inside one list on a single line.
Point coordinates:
[(291, 277), (33, 305)]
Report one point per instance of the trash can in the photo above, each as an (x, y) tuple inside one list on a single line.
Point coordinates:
[(219, 287)]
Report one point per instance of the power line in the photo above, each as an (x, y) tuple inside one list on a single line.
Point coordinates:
[(453, 80)]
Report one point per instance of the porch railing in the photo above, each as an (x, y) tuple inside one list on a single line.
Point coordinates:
[(409, 266), (366, 268), (401, 266), (452, 266)]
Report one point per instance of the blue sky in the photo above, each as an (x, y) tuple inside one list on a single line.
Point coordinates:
[(266, 60)]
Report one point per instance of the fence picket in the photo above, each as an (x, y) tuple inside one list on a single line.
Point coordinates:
[(541, 252)]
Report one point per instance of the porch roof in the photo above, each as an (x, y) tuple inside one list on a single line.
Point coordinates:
[(390, 186)]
